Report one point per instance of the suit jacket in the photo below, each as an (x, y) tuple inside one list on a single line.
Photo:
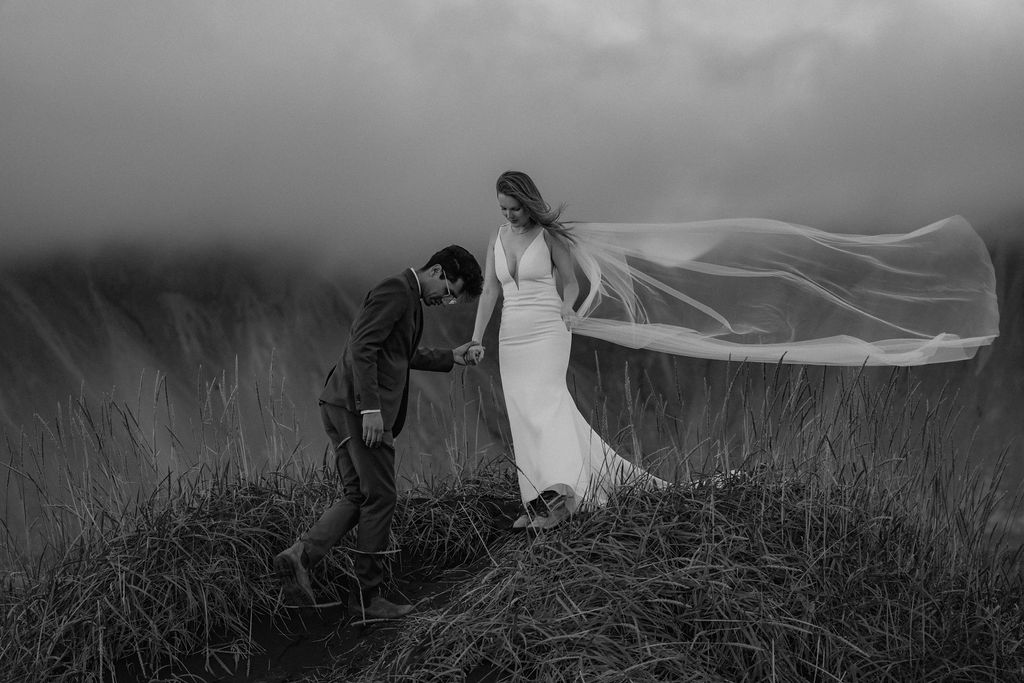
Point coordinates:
[(383, 345)]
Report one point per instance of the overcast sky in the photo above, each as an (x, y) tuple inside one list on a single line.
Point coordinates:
[(376, 129)]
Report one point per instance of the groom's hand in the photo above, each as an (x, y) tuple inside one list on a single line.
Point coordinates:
[(459, 353), (373, 428)]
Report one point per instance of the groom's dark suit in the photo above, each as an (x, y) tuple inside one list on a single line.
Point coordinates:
[(372, 374)]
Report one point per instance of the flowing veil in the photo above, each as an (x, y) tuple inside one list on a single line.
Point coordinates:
[(769, 291)]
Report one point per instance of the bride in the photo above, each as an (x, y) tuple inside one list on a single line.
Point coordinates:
[(562, 463), (747, 289)]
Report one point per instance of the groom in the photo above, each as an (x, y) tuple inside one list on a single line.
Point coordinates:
[(363, 405)]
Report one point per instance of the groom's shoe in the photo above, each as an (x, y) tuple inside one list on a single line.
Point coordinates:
[(376, 608), (291, 566)]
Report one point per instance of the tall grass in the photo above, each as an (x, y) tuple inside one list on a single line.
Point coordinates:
[(851, 545), (142, 536), (754, 581), (136, 545), (832, 536)]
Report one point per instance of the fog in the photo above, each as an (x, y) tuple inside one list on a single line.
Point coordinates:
[(372, 132)]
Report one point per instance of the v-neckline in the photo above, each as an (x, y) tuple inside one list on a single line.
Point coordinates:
[(519, 263)]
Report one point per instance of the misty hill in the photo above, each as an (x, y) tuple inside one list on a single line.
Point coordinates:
[(147, 328)]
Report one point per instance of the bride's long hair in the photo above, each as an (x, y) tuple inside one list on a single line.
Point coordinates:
[(519, 186)]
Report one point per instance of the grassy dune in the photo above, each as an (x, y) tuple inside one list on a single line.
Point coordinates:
[(832, 535), (753, 579)]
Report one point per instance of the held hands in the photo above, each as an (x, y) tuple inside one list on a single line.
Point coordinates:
[(475, 353), (469, 353)]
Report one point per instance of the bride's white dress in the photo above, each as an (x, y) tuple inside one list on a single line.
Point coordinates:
[(555, 447)]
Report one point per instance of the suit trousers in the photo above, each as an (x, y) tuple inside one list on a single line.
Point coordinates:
[(367, 500)]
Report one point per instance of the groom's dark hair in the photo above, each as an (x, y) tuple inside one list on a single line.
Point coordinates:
[(457, 264)]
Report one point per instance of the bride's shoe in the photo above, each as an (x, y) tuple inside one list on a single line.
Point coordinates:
[(550, 521), (538, 507), (555, 513)]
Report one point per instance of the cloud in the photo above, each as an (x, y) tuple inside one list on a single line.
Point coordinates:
[(344, 127)]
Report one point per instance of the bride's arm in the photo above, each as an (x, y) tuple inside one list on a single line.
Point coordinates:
[(565, 274), (489, 295)]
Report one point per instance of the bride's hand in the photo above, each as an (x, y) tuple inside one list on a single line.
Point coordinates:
[(462, 355), (475, 354)]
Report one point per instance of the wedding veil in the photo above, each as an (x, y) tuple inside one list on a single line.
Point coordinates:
[(768, 291)]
